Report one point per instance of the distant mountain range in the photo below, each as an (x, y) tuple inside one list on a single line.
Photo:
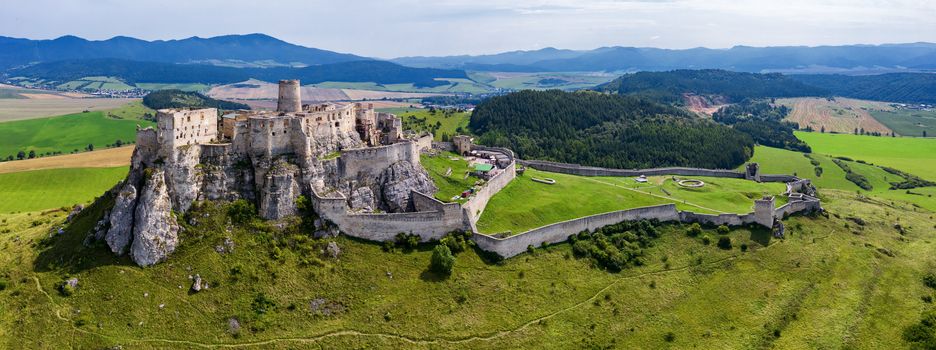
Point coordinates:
[(232, 49), (855, 59)]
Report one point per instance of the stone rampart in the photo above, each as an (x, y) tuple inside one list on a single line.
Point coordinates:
[(428, 225), (575, 169), (720, 219), (560, 232), (777, 178), (443, 146), (373, 160), (424, 143), (476, 204)]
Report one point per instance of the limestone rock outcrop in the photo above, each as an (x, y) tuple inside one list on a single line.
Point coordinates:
[(121, 220), (280, 189), (155, 231), (362, 199), (398, 183)]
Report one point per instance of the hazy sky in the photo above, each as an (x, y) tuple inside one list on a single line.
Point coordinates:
[(390, 28)]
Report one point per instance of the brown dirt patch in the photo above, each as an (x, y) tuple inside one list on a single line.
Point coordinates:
[(19, 109), (43, 96)]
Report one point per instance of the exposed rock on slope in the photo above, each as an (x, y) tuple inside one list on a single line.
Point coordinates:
[(398, 183), (155, 231)]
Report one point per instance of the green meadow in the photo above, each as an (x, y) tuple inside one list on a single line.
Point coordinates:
[(829, 284), (780, 161), (908, 122), (525, 204), (449, 123), (455, 183), (53, 188), (70, 132), (913, 155)]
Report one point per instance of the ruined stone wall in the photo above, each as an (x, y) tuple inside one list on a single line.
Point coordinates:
[(443, 146), (808, 204), (777, 178), (582, 170), (560, 232), (176, 128), (476, 204), (720, 219), (424, 143), (428, 225), (373, 160)]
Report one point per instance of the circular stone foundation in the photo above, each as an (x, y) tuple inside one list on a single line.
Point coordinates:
[(691, 183)]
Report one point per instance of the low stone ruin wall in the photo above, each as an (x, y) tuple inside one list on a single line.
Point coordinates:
[(433, 223), (720, 219), (777, 178), (560, 232), (582, 170), (376, 159), (476, 204), (807, 204)]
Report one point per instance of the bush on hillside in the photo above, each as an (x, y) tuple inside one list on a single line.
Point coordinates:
[(724, 243), (442, 260), (694, 230)]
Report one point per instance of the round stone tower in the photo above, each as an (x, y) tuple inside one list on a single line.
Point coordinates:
[(290, 100)]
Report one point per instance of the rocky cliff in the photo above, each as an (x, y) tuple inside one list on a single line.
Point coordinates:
[(163, 183)]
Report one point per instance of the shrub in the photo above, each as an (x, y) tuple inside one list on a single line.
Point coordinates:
[(442, 260), (407, 241), (694, 230), (3, 284), (724, 243), (669, 337), (241, 211), (66, 290), (262, 304), (706, 240), (743, 247), (930, 280), (722, 229)]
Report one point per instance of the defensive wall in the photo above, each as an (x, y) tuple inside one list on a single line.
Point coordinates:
[(433, 220), (373, 160), (575, 169), (476, 204), (560, 232)]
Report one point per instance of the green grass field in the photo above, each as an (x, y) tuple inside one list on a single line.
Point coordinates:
[(73, 131), (456, 182), (53, 188), (525, 204), (822, 287), (907, 122), (913, 155), (94, 83), (780, 161), (449, 123)]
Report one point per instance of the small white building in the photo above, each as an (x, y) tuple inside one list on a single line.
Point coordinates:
[(641, 179)]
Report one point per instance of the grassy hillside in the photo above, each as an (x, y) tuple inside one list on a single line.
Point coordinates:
[(525, 204), (69, 132), (907, 122), (830, 284), (53, 188), (421, 119), (778, 161), (914, 155)]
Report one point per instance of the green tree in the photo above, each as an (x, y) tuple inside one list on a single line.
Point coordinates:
[(20, 155), (442, 260), (32, 154)]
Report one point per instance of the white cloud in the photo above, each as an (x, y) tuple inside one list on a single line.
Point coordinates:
[(391, 28)]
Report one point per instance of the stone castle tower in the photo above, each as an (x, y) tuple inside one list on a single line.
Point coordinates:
[(290, 100)]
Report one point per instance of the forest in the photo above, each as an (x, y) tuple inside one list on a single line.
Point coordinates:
[(762, 120), (668, 87), (605, 130), (894, 87), (183, 99)]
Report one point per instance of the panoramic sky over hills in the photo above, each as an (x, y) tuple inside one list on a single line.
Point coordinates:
[(391, 28)]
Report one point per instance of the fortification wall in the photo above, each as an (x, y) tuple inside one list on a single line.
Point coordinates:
[(424, 143), (560, 232), (720, 219), (443, 146), (777, 178), (476, 204), (374, 160), (797, 206), (428, 225), (176, 128), (581, 170)]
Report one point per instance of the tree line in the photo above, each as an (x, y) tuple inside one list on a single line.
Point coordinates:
[(605, 130), (763, 121)]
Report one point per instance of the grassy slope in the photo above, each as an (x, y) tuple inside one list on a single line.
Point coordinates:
[(525, 204), (779, 161), (73, 131), (823, 287), (908, 123), (52, 188), (449, 124), (914, 155), (452, 185)]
